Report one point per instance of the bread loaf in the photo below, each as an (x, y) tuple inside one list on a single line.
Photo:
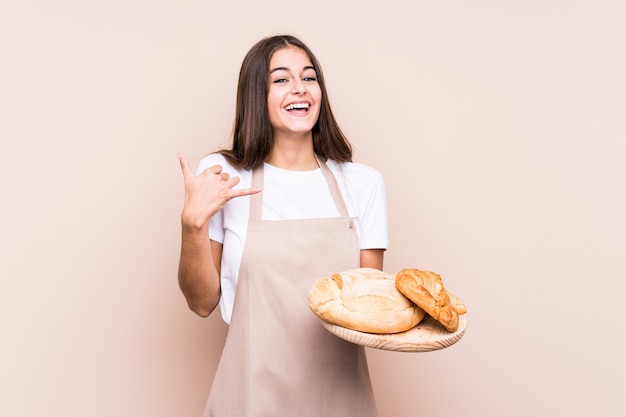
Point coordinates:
[(363, 299), (457, 303), (426, 290)]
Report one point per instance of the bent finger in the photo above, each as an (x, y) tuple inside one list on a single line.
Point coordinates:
[(215, 169), (232, 181)]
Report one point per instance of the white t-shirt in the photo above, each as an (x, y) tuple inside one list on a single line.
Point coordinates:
[(296, 195)]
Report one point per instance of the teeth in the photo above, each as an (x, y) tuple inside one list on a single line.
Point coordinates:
[(297, 106)]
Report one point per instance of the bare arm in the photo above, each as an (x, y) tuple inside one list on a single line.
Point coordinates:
[(198, 271), (200, 257), (372, 258)]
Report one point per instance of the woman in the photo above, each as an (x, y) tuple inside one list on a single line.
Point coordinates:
[(283, 207)]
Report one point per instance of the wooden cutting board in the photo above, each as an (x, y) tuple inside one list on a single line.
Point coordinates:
[(427, 336)]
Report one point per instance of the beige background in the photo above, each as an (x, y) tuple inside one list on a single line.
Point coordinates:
[(499, 128)]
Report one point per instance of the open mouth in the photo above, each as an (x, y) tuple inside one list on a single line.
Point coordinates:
[(297, 107)]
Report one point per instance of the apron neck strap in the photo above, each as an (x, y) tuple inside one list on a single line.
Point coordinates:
[(256, 200)]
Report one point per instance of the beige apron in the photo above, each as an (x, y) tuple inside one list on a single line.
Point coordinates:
[(278, 360)]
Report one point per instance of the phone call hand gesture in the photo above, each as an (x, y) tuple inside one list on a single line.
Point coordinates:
[(206, 193)]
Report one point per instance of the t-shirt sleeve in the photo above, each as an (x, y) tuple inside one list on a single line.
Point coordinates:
[(372, 217)]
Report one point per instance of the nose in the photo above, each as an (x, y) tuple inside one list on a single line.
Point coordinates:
[(298, 87)]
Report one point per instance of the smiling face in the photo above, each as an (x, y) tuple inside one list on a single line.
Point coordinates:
[(294, 95)]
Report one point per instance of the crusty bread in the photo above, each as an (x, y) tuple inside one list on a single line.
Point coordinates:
[(457, 303), (363, 299), (426, 290)]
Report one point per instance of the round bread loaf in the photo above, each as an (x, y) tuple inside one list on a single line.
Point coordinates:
[(364, 299)]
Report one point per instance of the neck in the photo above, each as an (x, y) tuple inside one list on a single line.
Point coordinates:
[(295, 154)]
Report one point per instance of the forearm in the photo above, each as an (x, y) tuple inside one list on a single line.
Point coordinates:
[(372, 258), (198, 271)]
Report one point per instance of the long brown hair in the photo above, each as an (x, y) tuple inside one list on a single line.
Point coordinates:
[(252, 134)]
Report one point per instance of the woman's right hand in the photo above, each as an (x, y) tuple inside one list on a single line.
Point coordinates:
[(206, 193)]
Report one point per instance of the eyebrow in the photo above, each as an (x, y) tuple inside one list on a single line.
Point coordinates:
[(287, 69)]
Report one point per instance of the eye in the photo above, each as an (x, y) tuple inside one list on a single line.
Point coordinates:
[(280, 81), (309, 76)]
